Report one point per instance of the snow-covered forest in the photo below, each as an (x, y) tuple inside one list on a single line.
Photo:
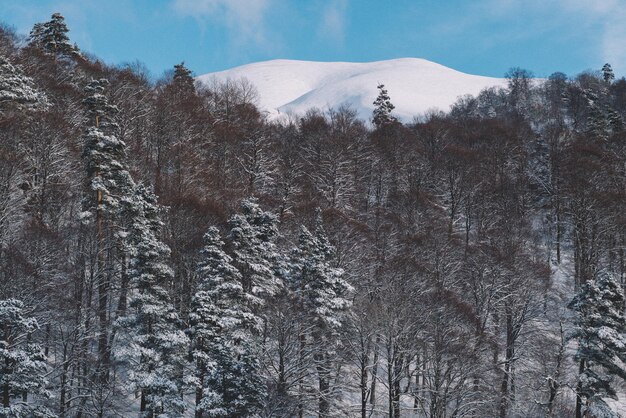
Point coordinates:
[(166, 250)]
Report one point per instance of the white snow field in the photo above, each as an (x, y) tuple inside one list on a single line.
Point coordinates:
[(414, 85)]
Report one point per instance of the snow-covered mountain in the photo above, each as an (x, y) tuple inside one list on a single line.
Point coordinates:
[(414, 85)]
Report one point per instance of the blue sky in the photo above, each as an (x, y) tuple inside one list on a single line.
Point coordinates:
[(484, 37)]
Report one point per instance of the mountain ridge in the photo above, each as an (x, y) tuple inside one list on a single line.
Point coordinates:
[(415, 85)]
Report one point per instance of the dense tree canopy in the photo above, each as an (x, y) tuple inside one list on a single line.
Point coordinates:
[(168, 250)]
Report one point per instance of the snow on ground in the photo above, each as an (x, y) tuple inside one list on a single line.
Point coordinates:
[(414, 85)]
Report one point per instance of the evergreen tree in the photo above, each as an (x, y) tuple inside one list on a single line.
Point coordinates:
[(109, 186), (104, 153), (598, 124), (319, 285), (228, 376), (324, 295), (607, 73), (52, 37), (22, 363), (17, 90), (183, 80), (154, 345), (36, 35), (252, 236), (382, 112), (601, 335)]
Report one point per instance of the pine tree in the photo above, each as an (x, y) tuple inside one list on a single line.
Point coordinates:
[(104, 153), (22, 363), (252, 235), (601, 335), (228, 376), (324, 296), (382, 112), (52, 37), (154, 345), (108, 186), (36, 35), (16, 90), (319, 285), (183, 80), (598, 124), (607, 73)]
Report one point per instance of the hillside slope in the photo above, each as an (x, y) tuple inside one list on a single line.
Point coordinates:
[(414, 85)]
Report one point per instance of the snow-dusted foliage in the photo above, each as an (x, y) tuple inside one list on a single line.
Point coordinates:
[(457, 241), (383, 107), (52, 37), (153, 344), (323, 298), (229, 382), (17, 90), (252, 234), (104, 153), (22, 363), (601, 336), (183, 81), (317, 283)]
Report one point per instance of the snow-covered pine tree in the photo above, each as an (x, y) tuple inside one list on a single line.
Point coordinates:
[(36, 35), (319, 285), (52, 38), (153, 343), (227, 372), (325, 298), (109, 186), (16, 90), (183, 80), (598, 124), (382, 112), (607, 73), (104, 153), (252, 235), (22, 363), (601, 335)]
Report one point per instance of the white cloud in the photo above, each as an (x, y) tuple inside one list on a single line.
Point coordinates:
[(244, 18), (333, 20)]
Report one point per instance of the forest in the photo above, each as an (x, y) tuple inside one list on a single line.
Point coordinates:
[(167, 250)]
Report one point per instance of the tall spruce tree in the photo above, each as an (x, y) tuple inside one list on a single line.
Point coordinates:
[(252, 235), (325, 299), (607, 73), (153, 343), (183, 80), (52, 37), (228, 383), (317, 282), (109, 185), (22, 363), (382, 112), (104, 153), (601, 335)]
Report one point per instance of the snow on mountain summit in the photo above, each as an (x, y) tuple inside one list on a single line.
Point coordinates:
[(414, 85)]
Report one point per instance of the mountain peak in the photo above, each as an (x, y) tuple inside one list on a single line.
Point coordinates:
[(415, 85)]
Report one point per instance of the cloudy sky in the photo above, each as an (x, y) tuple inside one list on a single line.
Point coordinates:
[(484, 37)]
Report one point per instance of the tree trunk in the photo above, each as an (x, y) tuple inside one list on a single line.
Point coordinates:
[(324, 385), (579, 400), (199, 394), (6, 390), (508, 366), (363, 383), (374, 372)]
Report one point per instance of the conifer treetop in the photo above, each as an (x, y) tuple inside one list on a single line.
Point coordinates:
[(382, 112)]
